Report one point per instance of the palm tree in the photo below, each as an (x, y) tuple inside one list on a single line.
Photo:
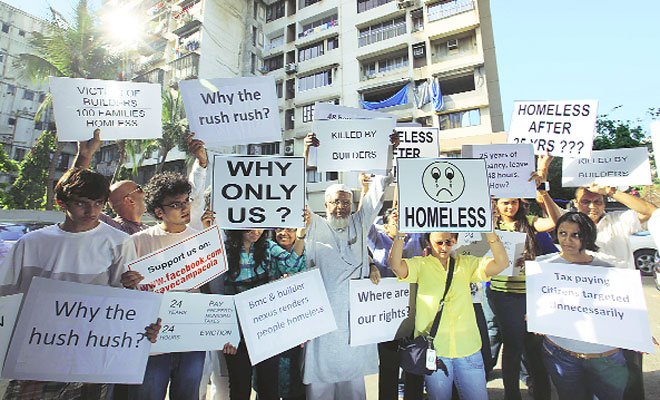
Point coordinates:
[(73, 49)]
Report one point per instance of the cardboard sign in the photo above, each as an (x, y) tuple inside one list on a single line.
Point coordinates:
[(417, 143), (327, 111), (71, 332), (285, 313), (230, 111), (377, 311), (618, 167), (353, 145), (509, 168), (259, 192), (9, 306), (121, 110), (562, 128), (444, 201), (473, 244), (587, 303), (655, 137), (185, 265), (196, 321)]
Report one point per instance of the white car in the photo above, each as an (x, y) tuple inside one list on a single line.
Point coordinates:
[(644, 252)]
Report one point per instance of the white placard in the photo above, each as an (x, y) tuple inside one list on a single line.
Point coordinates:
[(121, 110), (230, 111), (417, 142), (434, 195), (71, 332), (618, 167), (195, 322), (563, 128), (185, 265), (471, 243), (285, 313), (377, 312), (655, 138), (259, 192), (353, 145), (328, 111), (9, 306), (509, 168), (587, 303)]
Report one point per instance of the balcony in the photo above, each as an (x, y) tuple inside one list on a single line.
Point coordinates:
[(320, 28), (186, 67), (156, 75), (378, 35), (449, 9), (188, 19)]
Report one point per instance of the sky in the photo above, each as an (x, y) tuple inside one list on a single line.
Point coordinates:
[(555, 50)]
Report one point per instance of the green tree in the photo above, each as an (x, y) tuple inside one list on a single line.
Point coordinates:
[(7, 166), (73, 49)]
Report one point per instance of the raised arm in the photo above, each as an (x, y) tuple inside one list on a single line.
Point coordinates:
[(545, 224), (310, 141), (500, 260), (86, 150), (643, 208), (301, 233), (395, 261)]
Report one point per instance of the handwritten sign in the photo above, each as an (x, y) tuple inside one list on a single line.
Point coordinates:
[(561, 128), (587, 303), (416, 142), (471, 243), (509, 167), (258, 192), (196, 321), (9, 306), (185, 265), (619, 167), (230, 111), (377, 312), (353, 145), (444, 202), (285, 313), (91, 333), (122, 110)]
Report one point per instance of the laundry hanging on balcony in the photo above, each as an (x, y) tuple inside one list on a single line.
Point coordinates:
[(422, 94), (436, 95), (397, 99)]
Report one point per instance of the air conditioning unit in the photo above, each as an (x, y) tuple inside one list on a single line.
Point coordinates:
[(418, 51), (264, 70), (288, 150), (452, 44), (290, 68), (405, 3), (254, 150)]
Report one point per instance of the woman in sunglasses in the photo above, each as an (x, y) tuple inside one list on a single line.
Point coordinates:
[(457, 342)]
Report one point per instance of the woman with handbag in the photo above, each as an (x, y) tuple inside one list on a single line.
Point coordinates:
[(455, 343)]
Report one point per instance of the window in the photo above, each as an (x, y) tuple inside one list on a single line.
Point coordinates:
[(274, 43), (11, 89), (63, 165), (318, 25), (308, 113), (364, 5), (333, 43), (42, 97), (275, 11), (305, 3), (28, 95), (320, 79), (255, 9), (314, 176), (254, 36), (253, 63), (274, 63), (2, 57), (19, 154), (279, 88), (417, 17), (5, 27), (459, 84), (382, 31), (460, 119), (311, 51), (39, 125), (21, 32), (11, 121), (383, 65), (289, 118), (448, 8)]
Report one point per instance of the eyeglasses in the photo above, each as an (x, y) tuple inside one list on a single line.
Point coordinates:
[(447, 242), (138, 188), (179, 204), (596, 202), (343, 203)]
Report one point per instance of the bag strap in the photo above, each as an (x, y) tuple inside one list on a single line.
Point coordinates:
[(436, 321)]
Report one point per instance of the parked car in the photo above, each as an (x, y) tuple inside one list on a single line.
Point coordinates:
[(10, 232), (644, 252)]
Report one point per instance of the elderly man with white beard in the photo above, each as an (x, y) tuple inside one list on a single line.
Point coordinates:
[(337, 245)]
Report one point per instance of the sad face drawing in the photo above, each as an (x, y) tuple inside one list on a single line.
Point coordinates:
[(443, 182)]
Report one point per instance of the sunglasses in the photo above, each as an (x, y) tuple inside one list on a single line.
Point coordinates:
[(138, 188), (447, 242)]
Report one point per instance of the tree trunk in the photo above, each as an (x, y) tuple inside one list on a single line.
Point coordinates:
[(121, 152), (50, 191), (161, 164)]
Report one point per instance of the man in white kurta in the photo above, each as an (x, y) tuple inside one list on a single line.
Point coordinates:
[(333, 369)]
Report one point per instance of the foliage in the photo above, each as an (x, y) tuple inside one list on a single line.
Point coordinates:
[(7, 166), (175, 126), (29, 189)]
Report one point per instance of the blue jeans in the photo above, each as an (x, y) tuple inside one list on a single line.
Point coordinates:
[(577, 378), (182, 370), (467, 373)]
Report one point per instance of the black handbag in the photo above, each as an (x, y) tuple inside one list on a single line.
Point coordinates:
[(412, 351)]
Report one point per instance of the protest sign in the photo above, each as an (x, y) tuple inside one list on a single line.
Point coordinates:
[(444, 202), (416, 142), (283, 314), (473, 244), (90, 333), (259, 192), (9, 306), (509, 168), (588, 303), (230, 111), (617, 167), (353, 145), (562, 128), (655, 138), (377, 312), (121, 110), (196, 321), (328, 111), (185, 265)]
